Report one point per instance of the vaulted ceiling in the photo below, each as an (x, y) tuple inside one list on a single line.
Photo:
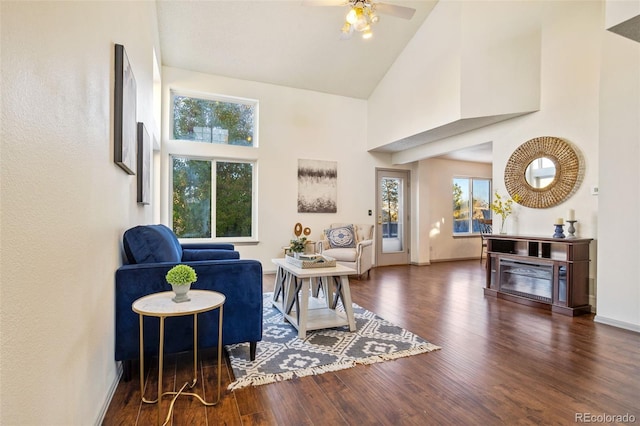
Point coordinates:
[(293, 43)]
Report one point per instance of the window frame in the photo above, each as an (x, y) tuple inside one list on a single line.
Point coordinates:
[(214, 152), (254, 210), (213, 97), (471, 181)]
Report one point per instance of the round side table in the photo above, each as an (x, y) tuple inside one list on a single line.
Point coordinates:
[(161, 306)]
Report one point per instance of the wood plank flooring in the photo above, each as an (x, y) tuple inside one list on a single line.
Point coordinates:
[(500, 363)]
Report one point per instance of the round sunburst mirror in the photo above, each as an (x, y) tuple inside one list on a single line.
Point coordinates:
[(543, 171)]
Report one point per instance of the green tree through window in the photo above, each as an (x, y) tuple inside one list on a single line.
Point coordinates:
[(234, 199), (471, 199), (192, 198), (213, 121), (213, 187)]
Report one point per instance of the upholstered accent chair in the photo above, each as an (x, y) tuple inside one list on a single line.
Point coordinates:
[(350, 244), (152, 250)]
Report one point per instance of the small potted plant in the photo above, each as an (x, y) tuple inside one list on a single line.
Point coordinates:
[(180, 277), (297, 246)]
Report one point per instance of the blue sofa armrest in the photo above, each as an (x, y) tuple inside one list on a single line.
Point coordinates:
[(239, 280)]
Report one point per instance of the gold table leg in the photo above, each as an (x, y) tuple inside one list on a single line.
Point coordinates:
[(195, 367)]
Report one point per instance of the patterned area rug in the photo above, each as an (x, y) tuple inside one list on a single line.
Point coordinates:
[(281, 355)]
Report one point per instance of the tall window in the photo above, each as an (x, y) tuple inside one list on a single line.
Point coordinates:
[(207, 192), (212, 188), (214, 119), (471, 200)]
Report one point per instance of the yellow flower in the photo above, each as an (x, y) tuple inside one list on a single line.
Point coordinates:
[(503, 208)]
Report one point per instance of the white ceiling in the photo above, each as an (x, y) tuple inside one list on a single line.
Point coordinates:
[(287, 42)]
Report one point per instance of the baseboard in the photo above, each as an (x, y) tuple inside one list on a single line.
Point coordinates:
[(615, 323), (455, 259), (112, 391), (421, 263)]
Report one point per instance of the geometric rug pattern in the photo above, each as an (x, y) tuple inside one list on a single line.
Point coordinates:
[(281, 355)]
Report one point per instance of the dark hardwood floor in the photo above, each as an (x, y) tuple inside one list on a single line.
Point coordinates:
[(500, 363)]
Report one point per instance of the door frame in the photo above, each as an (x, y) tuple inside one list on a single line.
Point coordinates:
[(402, 257)]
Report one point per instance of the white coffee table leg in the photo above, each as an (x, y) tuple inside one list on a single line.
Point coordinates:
[(345, 294), (304, 309)]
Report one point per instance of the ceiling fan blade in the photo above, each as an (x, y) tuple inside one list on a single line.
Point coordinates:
[(395, 10), (324, 2)]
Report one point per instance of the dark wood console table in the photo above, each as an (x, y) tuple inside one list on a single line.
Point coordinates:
[(550, 273)]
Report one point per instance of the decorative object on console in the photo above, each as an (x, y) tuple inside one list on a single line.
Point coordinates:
[(124, 118), (503, 208), (181, 277), (559, 232), (571, 216), (543, 171)]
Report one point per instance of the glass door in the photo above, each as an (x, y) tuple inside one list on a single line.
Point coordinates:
[(392, 225)]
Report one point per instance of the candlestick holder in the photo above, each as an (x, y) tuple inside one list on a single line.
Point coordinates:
[(559, 230), (571, 230)]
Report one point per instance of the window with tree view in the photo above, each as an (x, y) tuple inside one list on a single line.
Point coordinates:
[(471, 200), (207, 192), (217, 120)]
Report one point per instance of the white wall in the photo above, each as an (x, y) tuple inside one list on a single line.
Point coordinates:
[(570, 39), (435, 210), (294, 124), (619, 228), (466, 66), (65, 204)]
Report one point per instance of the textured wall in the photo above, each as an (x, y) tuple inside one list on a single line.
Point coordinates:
[(65, 203)]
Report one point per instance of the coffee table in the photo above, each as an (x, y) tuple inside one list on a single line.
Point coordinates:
[(161, 305), (291, 296)]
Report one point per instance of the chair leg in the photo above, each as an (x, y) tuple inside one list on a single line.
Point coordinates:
[(127, 370), (252, 350)]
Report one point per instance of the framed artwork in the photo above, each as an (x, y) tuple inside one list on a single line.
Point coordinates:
[(144, 165), (124, 120), (317, 186)]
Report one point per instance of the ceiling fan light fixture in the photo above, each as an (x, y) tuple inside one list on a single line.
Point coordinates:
[(352, 16), (367, 34)]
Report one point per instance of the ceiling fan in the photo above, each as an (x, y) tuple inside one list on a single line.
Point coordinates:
[(363, 14)]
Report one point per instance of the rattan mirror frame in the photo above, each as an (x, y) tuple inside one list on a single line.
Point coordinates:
[(565, 183)]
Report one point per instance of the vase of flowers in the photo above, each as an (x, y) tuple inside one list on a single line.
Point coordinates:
[(504, 207), (297, 245), (181, 277)]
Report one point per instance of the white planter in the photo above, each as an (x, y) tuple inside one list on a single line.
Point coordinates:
[(181, 292)]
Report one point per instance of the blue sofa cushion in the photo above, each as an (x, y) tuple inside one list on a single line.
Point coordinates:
[(151, 244), (208, 254)]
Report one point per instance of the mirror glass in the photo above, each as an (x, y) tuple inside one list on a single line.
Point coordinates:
[(540, 172)]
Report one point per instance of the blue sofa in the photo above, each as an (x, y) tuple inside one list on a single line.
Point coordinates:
[(151, 250)]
